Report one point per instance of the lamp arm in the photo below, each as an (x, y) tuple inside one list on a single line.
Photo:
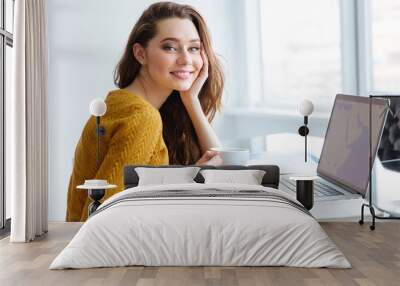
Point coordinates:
[(98, 140), (305, 147), (303, 131)]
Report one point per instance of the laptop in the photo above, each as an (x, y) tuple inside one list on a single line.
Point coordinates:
[(343, 167)]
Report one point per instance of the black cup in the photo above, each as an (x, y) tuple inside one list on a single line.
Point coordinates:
[(305, 193)]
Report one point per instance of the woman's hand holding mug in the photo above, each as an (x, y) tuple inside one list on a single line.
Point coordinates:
[(210, 158)]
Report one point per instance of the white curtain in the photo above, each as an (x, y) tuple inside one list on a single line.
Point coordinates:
[(27, 120)]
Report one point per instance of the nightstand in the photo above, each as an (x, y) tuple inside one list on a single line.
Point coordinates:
[(96, 191)]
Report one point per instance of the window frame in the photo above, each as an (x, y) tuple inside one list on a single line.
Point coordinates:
[(6, 39)]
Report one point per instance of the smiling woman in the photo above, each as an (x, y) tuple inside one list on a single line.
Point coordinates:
[(170, 87)]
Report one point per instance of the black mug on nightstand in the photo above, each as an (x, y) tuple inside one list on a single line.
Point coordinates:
[(305, 191)]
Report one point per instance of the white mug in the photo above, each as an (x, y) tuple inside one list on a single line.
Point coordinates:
[(233, 156)]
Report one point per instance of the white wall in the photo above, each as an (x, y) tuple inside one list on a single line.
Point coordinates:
[(86, 40)]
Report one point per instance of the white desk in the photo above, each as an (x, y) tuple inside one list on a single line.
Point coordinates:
[(294, 165), (287, 151)]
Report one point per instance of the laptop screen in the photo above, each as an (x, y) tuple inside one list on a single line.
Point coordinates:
[(344, 158)]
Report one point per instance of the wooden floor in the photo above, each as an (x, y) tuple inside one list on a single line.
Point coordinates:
[(374, 255)]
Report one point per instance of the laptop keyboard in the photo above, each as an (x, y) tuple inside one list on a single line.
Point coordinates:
[(320, 189)]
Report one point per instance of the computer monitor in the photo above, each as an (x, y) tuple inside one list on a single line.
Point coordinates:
[(344, 158), (389, 147)]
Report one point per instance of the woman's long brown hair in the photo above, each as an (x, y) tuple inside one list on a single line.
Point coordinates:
[(178, 131)]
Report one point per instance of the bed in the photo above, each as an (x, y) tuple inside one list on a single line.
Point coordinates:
[(201, 224)]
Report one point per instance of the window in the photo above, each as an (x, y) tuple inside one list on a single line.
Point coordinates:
[(301, 51), (318, 48), (385, 40), (9, 13), (385, 70), (6, 44)]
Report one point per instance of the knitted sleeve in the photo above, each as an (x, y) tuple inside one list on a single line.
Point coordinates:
[(133, 142)]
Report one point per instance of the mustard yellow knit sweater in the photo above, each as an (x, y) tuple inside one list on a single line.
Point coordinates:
[(133, 136)]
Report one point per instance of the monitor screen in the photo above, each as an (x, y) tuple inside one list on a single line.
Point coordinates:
[(344, 158), (389, 148)]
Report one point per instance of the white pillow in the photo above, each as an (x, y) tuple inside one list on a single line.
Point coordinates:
[(248, 177), (164, 176)]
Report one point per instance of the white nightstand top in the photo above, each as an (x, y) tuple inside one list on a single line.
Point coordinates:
[(303, 178)]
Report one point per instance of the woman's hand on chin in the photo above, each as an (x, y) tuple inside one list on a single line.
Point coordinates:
[(210, 158), (193, 92)]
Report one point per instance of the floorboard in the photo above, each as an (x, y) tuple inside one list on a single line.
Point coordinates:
[(374, 255)]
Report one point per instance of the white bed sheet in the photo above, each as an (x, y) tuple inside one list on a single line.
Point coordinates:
[(200, 231)]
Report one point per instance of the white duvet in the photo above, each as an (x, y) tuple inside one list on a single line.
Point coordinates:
[(200, 231)]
